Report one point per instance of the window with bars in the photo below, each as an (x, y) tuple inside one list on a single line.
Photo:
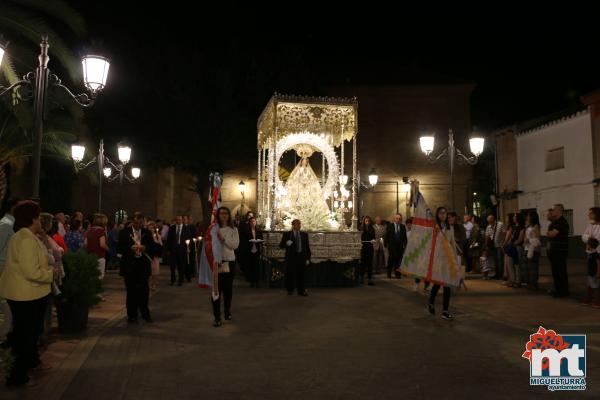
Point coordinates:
[(568, 214)]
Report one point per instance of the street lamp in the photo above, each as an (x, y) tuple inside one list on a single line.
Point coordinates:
[(95, 72), (427, 143), (476, 144), (135, 172), (124, 153), (105, 166), (373, 177)]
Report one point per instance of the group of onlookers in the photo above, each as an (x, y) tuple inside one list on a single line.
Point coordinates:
[(508, 251), (32, 246)]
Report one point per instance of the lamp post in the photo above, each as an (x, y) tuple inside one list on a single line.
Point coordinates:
[(105, 165), (373, 179), (476, 144), (95, 72)]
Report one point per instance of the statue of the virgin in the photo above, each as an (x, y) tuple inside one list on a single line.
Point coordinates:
[(303, 195)]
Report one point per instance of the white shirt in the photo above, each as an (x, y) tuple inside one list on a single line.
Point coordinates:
[(6, 232), (496, 233), (178, 230), (468, 228), (592, 230), (231, 241), (61, 229)]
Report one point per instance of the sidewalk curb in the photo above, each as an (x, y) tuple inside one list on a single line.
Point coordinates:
[(63, 374)]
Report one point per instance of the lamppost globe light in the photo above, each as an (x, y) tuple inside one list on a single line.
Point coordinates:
[(476, 144), (349, 203), (107, 172), (124, 154), (373, 177), (136, 172), (95, 72), (77, 152), (242, 187), (427, 144)]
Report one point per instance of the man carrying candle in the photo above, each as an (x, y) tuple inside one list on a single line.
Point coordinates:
[(137, 248)]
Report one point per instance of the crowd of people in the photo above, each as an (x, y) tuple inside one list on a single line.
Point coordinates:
[(508, 251), (33, 243)]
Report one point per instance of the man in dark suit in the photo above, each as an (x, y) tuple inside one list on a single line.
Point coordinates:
[(395, 240), (177, 251), (297, 257), (136, 247)]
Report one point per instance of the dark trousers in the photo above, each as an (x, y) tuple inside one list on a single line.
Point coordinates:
[(498, 262), (366, 263), (178, 261), (137, 296), (294, 273), (558, 262), (467, 256), (225, 292), (251, 267), (28, 319), (434, 292), (394, 260)]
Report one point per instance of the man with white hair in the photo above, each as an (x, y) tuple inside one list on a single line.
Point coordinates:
[(297, 257)]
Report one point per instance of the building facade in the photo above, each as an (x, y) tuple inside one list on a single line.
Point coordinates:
[(549, 161), (391, 120)]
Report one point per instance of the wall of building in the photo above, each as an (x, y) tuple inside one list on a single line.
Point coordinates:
[(506, 161), (391, 120), (592, 101), (571, 185), (161, 193)]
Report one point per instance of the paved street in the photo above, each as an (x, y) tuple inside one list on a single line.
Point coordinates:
[(356, 343)]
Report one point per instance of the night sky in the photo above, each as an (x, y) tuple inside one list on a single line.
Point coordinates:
[(212, 70)]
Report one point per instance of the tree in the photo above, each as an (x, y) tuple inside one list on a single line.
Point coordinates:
[(24, 22)]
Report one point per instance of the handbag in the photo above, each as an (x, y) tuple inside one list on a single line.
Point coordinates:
[(224, 267), (510, 250)]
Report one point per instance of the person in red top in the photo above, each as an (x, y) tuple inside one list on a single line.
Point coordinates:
[(96, 242), (57, 237)]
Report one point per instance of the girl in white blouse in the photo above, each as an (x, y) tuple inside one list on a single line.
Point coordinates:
[(230, 240), (593, 229)]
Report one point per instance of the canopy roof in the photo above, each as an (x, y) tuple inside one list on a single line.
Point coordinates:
[(329, 116)]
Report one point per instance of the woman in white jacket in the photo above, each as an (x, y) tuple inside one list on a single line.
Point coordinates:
[(230, 240), (532, 250), (593, 229)]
